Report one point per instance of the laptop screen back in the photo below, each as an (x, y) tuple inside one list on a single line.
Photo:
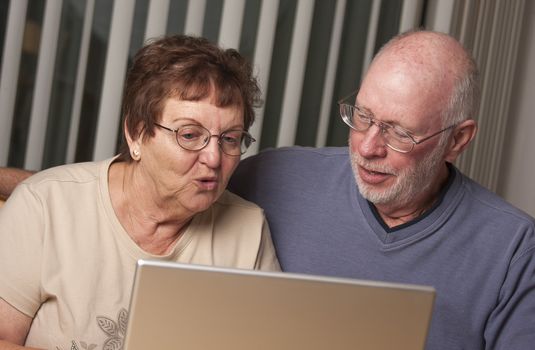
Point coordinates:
[(178, 306)]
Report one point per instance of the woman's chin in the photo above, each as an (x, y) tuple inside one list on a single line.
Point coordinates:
[(201, 202)]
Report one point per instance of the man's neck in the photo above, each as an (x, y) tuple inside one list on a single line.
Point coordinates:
[(395, 216)]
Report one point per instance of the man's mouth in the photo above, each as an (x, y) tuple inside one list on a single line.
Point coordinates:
[(372, 176)]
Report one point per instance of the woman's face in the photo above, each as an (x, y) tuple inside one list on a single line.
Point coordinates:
[(190, 180)]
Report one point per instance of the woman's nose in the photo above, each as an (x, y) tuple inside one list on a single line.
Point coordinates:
[(211, 153)]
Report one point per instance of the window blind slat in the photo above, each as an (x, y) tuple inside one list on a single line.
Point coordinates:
[(296, 70), (372, 35), (231, 23), (262, 61), (330, 79), (195, 17), (411, 14), (80, 80), (116, 61), (10, 70), (43, 85), (439, 15), (157, 18)]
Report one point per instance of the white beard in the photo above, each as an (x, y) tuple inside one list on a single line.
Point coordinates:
[(410, 182)]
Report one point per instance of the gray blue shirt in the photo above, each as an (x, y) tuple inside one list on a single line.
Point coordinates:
[(474, 248)]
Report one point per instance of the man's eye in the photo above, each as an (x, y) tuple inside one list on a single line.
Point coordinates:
[(364, 118), (400, 134)]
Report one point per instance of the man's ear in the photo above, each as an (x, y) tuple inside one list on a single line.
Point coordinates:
[(463, 134)]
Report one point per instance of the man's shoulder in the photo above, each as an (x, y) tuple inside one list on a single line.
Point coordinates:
[(492, 205), (304, 151), (283, 171), (297, 155)]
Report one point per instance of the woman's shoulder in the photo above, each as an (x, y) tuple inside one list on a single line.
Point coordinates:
[(76, 172)]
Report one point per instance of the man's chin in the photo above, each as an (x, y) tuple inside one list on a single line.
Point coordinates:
[(375, 198), (379, 196)]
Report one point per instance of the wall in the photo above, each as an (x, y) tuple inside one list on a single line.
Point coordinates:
[(517, 183)]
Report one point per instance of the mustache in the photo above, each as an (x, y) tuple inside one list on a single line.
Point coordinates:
[(371, 165)]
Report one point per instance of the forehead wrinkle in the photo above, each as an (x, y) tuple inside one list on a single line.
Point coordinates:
[(437, 58), (396, 90), (387, 98)]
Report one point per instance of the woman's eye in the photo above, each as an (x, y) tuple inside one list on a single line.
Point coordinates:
[(189, 135), (232, 137)]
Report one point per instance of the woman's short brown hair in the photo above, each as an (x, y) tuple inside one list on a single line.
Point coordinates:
[(188, 68)]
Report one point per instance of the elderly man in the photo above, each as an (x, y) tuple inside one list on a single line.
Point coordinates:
[(394, 208)]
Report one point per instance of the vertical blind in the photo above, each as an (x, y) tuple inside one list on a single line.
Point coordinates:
[(63, 65)]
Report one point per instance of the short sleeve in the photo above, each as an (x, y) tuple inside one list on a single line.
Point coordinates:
[(21, 242), (267, 258)]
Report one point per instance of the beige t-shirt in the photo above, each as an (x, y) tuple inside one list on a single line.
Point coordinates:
[(66, 260)]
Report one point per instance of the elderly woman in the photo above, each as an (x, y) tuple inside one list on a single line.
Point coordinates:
[(70, 236)]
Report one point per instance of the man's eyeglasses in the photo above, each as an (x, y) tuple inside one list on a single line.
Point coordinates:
[(195, 137), (395, 137)]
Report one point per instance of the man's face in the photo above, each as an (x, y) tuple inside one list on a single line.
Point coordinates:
[(399, 96), (407, 182)]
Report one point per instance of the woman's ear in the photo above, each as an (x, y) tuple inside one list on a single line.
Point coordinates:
[(134, 145), (462, 135)]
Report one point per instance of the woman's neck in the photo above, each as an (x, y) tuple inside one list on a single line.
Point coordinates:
[(151, 224)]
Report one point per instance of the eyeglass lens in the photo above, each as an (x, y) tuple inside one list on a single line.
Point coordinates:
[(394, 137), (232, 142)]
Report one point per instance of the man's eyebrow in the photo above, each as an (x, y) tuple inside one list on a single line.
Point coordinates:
[(364, 109), (369, 113)]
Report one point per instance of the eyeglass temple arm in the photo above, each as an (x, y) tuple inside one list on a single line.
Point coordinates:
[(341, 101), (433, 135)]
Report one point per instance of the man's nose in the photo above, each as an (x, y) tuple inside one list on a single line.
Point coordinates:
[(372, 143)]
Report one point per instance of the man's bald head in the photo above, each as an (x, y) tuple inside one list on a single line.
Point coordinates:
[(441, 63)]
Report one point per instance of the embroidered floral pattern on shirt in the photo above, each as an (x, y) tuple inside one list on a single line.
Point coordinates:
[(115, 330), (83, 345)]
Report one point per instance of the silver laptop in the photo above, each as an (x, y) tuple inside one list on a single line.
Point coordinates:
[(179, 306)]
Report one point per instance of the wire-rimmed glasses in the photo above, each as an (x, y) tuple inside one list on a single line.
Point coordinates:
[(194, 137), (395, 137)]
